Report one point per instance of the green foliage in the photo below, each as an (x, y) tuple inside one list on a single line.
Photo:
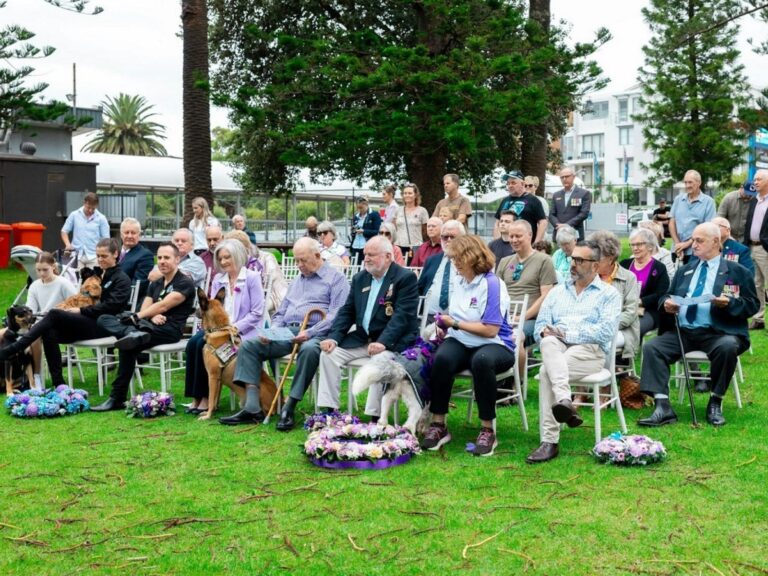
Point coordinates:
[(128, 128), (384, 90), (222, 141), (692, 88)]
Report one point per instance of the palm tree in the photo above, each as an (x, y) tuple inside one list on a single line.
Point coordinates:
[(128, 129)]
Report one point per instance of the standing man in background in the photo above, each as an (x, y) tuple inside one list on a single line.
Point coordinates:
[(688, 211), (87, 226), (570, 205), (458, 205)]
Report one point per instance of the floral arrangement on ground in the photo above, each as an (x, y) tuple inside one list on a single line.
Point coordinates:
[(339, 440), (150, 405), (632, 450), (60, 401)]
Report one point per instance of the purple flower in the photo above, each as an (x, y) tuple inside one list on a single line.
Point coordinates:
[(473, 301), (237, 289), (381, 301)]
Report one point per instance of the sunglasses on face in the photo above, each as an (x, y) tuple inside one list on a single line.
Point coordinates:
[(324, 232), (530, 185), (447, 236), (382, 233)]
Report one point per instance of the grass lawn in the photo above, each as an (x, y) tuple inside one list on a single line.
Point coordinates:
[(104, 494)]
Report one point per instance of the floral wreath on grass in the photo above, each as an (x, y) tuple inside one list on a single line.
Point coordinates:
[(60, 401), (632, 450), (150, 405), (341, 441)]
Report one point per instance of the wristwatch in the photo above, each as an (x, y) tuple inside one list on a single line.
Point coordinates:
[(455, 324)]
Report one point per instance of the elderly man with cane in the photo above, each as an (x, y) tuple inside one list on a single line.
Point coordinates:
[(711, 298)]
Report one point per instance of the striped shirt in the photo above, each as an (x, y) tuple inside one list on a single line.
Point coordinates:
[(591, 317), (326, 289)]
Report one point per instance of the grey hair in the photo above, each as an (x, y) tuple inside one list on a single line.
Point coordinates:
[(308, 243), (524, 224), (646, 236), (327, 226), (455, 225), (186, 231), (566, 234), (236, 251), (597, 253), (130, 221), (608, 242), (382, 243)]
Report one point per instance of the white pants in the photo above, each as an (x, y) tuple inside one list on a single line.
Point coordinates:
[(329, 387), (561, 364)]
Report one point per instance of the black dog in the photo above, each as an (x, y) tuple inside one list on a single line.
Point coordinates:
[(17, 370)]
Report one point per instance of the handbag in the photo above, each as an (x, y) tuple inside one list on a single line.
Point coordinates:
[(629, 393), (409, 255)]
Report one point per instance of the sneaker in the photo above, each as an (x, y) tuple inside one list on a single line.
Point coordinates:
[(486, 443), (435, 436)]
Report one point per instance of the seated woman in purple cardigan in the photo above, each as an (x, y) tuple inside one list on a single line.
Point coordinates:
[(244, 302)]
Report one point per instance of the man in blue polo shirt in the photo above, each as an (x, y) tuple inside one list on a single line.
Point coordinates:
[(688, 211), (87, 226)]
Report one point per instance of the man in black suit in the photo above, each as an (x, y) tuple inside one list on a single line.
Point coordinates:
[(570, 205), (433, 283), (135, 260), (382, 305), (718, 327)]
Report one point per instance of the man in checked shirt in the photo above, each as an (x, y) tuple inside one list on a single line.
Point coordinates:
[(319, 285), (575, 329)]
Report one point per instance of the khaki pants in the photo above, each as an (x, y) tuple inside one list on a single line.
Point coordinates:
[(760, 258), (329, 385), (560, 364)]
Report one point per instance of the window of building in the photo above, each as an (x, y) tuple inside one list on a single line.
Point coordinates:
[(568, 151), (592, 143), (628, 168), (625, 135), (624, 110), (597, 110), (636, 106)]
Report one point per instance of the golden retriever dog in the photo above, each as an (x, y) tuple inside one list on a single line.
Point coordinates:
[(220, 354)]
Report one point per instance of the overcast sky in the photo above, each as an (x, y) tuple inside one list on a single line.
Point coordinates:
[(133, 47)]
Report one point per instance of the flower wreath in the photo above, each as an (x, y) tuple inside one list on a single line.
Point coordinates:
[(60, 401), (633, 450), (342, 441), (150, 405)]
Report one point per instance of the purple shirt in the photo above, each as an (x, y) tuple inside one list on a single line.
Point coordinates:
[(326, 289), (641, 275)]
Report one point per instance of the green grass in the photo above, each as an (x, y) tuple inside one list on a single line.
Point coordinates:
[(103, 494)]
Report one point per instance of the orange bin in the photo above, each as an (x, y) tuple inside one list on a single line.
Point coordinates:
[(28, 234), (5, 244)]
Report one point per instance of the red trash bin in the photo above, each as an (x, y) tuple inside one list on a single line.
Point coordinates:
[(5, 244), (28, 234)]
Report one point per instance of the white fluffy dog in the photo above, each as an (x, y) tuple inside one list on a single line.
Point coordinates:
[(383, 369)]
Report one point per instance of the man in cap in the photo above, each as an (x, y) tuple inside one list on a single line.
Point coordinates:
[(525, 206)]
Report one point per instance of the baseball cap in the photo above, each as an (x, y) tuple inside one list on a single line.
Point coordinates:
[(362, 198), (749, 188), (514, 174)]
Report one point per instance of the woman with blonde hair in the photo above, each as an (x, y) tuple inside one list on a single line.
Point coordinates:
[(478, 337), (201, 219), (410, 222)]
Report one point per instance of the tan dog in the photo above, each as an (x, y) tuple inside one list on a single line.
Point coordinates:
[(219, 354), (90, 293)]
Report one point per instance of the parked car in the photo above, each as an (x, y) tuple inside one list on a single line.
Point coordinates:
[(636, 217)]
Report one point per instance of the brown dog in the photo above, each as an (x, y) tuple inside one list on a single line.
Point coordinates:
[(219, 354), (90, 291)]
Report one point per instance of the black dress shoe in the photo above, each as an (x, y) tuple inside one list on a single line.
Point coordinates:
[(286, 422), (546, 451), (662, 414), (243, 417), (715, 412), (133, 340), (108, 404), (565, 413)]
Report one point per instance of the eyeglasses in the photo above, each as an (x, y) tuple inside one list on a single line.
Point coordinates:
[(579, 260), (636, 244), (447, 236), (518, 270), (322, 232), (530, 185), (382, 233)]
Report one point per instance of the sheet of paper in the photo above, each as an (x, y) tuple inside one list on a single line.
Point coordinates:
[(683, 301), (276, 334)]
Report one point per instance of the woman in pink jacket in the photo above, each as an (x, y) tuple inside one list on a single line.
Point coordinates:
[(244, 303)]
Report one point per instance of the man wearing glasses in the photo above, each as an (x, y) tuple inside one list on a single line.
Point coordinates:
[(575, 329), (438, 275), (525, 206), (570, 205)]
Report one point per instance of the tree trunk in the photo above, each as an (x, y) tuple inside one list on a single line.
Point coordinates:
[(196, 113), (533, 159), (427, 172)]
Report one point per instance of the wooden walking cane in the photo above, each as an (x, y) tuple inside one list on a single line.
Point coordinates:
[(295, 349)]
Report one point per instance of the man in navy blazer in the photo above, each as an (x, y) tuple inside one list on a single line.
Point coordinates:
[(570, 205), (733, 250), (135, 260), (382, 306), (718, 328)]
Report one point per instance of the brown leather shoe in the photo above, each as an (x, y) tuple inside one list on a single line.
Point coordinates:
[(546, 451), (565, 413)]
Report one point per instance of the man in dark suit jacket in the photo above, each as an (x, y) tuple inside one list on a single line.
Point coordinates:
[(365, 225), (570, 205), (757, 240), (382, 306), (135, 260), (718, 328)]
